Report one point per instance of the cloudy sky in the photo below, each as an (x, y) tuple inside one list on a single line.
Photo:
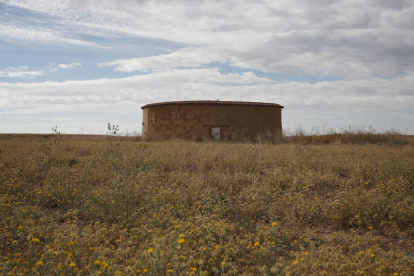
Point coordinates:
[(80, 64)]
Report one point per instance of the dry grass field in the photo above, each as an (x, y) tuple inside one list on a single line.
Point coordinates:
[(95, 205)]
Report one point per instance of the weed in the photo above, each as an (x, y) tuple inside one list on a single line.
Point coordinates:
[(90, 205)]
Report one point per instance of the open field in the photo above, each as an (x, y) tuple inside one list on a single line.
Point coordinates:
[(94, 205)]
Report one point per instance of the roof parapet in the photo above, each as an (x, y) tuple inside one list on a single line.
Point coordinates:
[(213, 102)]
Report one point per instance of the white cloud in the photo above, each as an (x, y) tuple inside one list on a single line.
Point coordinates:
[(127, 95), (186, 57), (69, 66), (13, 33), (206, 75), (348, 38), (63, 66), (21, 72)]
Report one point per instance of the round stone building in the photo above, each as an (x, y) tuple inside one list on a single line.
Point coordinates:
[(218, 120)]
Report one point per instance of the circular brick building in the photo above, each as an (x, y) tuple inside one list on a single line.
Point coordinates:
[(218, 120)]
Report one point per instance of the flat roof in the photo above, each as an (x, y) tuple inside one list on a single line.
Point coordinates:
[(213, 102)]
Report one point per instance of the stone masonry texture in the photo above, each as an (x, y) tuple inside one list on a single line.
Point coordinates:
[(238, 121)]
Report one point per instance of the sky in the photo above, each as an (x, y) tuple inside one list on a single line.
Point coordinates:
[(81, 64)]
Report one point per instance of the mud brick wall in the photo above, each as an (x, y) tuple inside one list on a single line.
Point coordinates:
[(194, 121)]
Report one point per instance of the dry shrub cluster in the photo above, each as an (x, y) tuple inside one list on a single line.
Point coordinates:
[(349, 135), (114, 206)]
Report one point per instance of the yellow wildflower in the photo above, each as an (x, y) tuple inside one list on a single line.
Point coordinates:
[(35, 240)]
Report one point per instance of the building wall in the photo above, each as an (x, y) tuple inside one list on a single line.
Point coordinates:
[(194, 121), (145, 122)]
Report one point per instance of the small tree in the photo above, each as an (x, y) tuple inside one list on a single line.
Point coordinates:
[(113, 129)]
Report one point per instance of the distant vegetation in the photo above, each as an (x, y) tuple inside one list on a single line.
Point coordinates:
[(111, 205), (349, 135)]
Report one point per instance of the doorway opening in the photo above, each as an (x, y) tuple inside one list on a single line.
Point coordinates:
[(215, 133)]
